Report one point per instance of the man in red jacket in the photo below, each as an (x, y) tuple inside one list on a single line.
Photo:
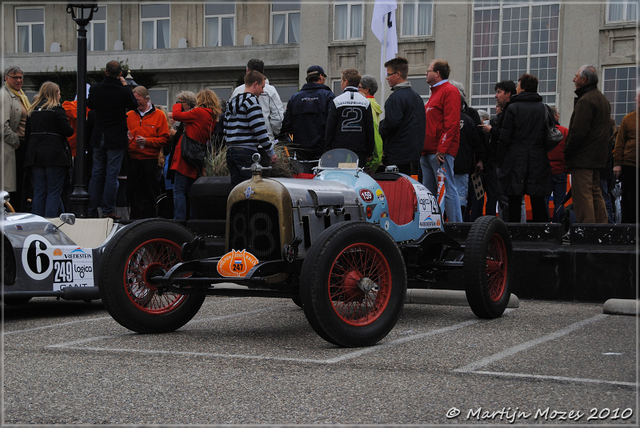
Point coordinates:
[(442, 137)]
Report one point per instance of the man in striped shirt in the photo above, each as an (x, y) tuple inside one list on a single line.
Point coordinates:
[(245, 128)]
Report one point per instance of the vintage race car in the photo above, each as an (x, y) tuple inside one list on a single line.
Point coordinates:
[(40, 259), (344, 246)]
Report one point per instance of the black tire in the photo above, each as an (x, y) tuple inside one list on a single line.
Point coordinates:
[(332, 291), (143, 249), (297, 301), (486, 267)]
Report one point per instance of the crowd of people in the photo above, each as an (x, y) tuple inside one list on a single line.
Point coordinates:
[(445, 141)]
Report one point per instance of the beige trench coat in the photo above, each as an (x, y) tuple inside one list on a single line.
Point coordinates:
[(11, 120)]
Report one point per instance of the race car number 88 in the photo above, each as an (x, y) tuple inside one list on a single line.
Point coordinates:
[(254, 235)]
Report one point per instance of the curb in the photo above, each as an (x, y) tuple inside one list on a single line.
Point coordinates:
[(447, 297), (620, 307)]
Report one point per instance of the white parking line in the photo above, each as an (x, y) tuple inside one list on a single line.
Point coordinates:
[(526, 345), (476, 365), (234, 315), (44, 327), (558, 378), (363, 351), (348, 356)]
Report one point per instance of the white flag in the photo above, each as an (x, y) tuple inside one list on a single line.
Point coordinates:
[(384, 18)]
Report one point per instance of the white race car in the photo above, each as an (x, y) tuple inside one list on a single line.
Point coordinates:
[(51, 257)]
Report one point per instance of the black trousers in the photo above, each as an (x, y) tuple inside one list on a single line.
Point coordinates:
[(539, 209), (143, 188), (629, 195)]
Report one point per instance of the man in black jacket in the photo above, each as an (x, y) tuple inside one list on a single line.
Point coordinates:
[(350, 121), (110, 100), (306, 114), (504, 91), (403, 127)]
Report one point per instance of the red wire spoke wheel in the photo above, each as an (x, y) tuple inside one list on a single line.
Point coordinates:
[(152, 258), (497, 267), (137, 253), (487, 256), (360, 284), (353, 284)]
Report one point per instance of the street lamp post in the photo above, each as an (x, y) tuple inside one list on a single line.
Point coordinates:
[(82, 14), (130, 82)]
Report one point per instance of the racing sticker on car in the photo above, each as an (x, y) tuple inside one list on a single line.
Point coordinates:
[(66, 265), (366, 195), (236, 263), (429, 213)]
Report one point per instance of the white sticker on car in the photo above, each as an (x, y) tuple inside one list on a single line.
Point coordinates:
[(68, 266), (428, 212)]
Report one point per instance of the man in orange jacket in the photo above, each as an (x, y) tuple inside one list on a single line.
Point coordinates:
[(442, 138), (148, 134)]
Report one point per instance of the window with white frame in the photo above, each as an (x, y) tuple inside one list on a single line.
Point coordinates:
[(219, 23), (510, 40), (348, 21), (155, 20), (622, 10), (285, 22), (97, 30), (417, 18), (619, 86), (159, 97), (30, 30)]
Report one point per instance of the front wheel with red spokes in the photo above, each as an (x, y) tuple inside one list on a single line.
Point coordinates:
[(138, 253), (487, 257), (353, 283)]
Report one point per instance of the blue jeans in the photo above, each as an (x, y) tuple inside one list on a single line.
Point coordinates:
[(559, 193), (429, 165), (237, 158), (604, 188), (181, 187), (47, 189), (462, 187), (103, 186)]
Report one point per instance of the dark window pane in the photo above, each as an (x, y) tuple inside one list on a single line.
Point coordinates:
[(155, 11), (29, 15), (37, 31), (285, 6), (99, 41)]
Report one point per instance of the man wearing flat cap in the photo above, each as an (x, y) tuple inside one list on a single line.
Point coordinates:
[(306, 114)]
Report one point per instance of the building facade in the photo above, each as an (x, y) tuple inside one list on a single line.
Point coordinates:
[(193, 45)]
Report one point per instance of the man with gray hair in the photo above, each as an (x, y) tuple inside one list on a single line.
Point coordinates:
[(14, 119), (586, 148)]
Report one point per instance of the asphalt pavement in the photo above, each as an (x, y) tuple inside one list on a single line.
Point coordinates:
[(257, 361)]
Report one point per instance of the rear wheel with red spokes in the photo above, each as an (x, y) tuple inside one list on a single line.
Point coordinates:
[(138, 253), (487, 256)]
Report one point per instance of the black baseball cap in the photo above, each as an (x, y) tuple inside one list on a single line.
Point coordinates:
[(315, 69)]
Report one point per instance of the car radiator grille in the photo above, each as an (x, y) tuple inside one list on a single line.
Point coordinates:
[(254, 227)]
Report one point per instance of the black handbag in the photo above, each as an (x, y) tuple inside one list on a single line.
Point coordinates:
[(193, 151), (554, 136)]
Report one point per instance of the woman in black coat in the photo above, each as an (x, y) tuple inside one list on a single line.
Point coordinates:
[(521, 152), (48, 154)]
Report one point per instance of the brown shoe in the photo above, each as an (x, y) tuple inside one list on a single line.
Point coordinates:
[(112, 216)]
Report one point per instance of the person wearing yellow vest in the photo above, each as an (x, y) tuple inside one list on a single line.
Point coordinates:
[(368, 87), (14, 119)]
